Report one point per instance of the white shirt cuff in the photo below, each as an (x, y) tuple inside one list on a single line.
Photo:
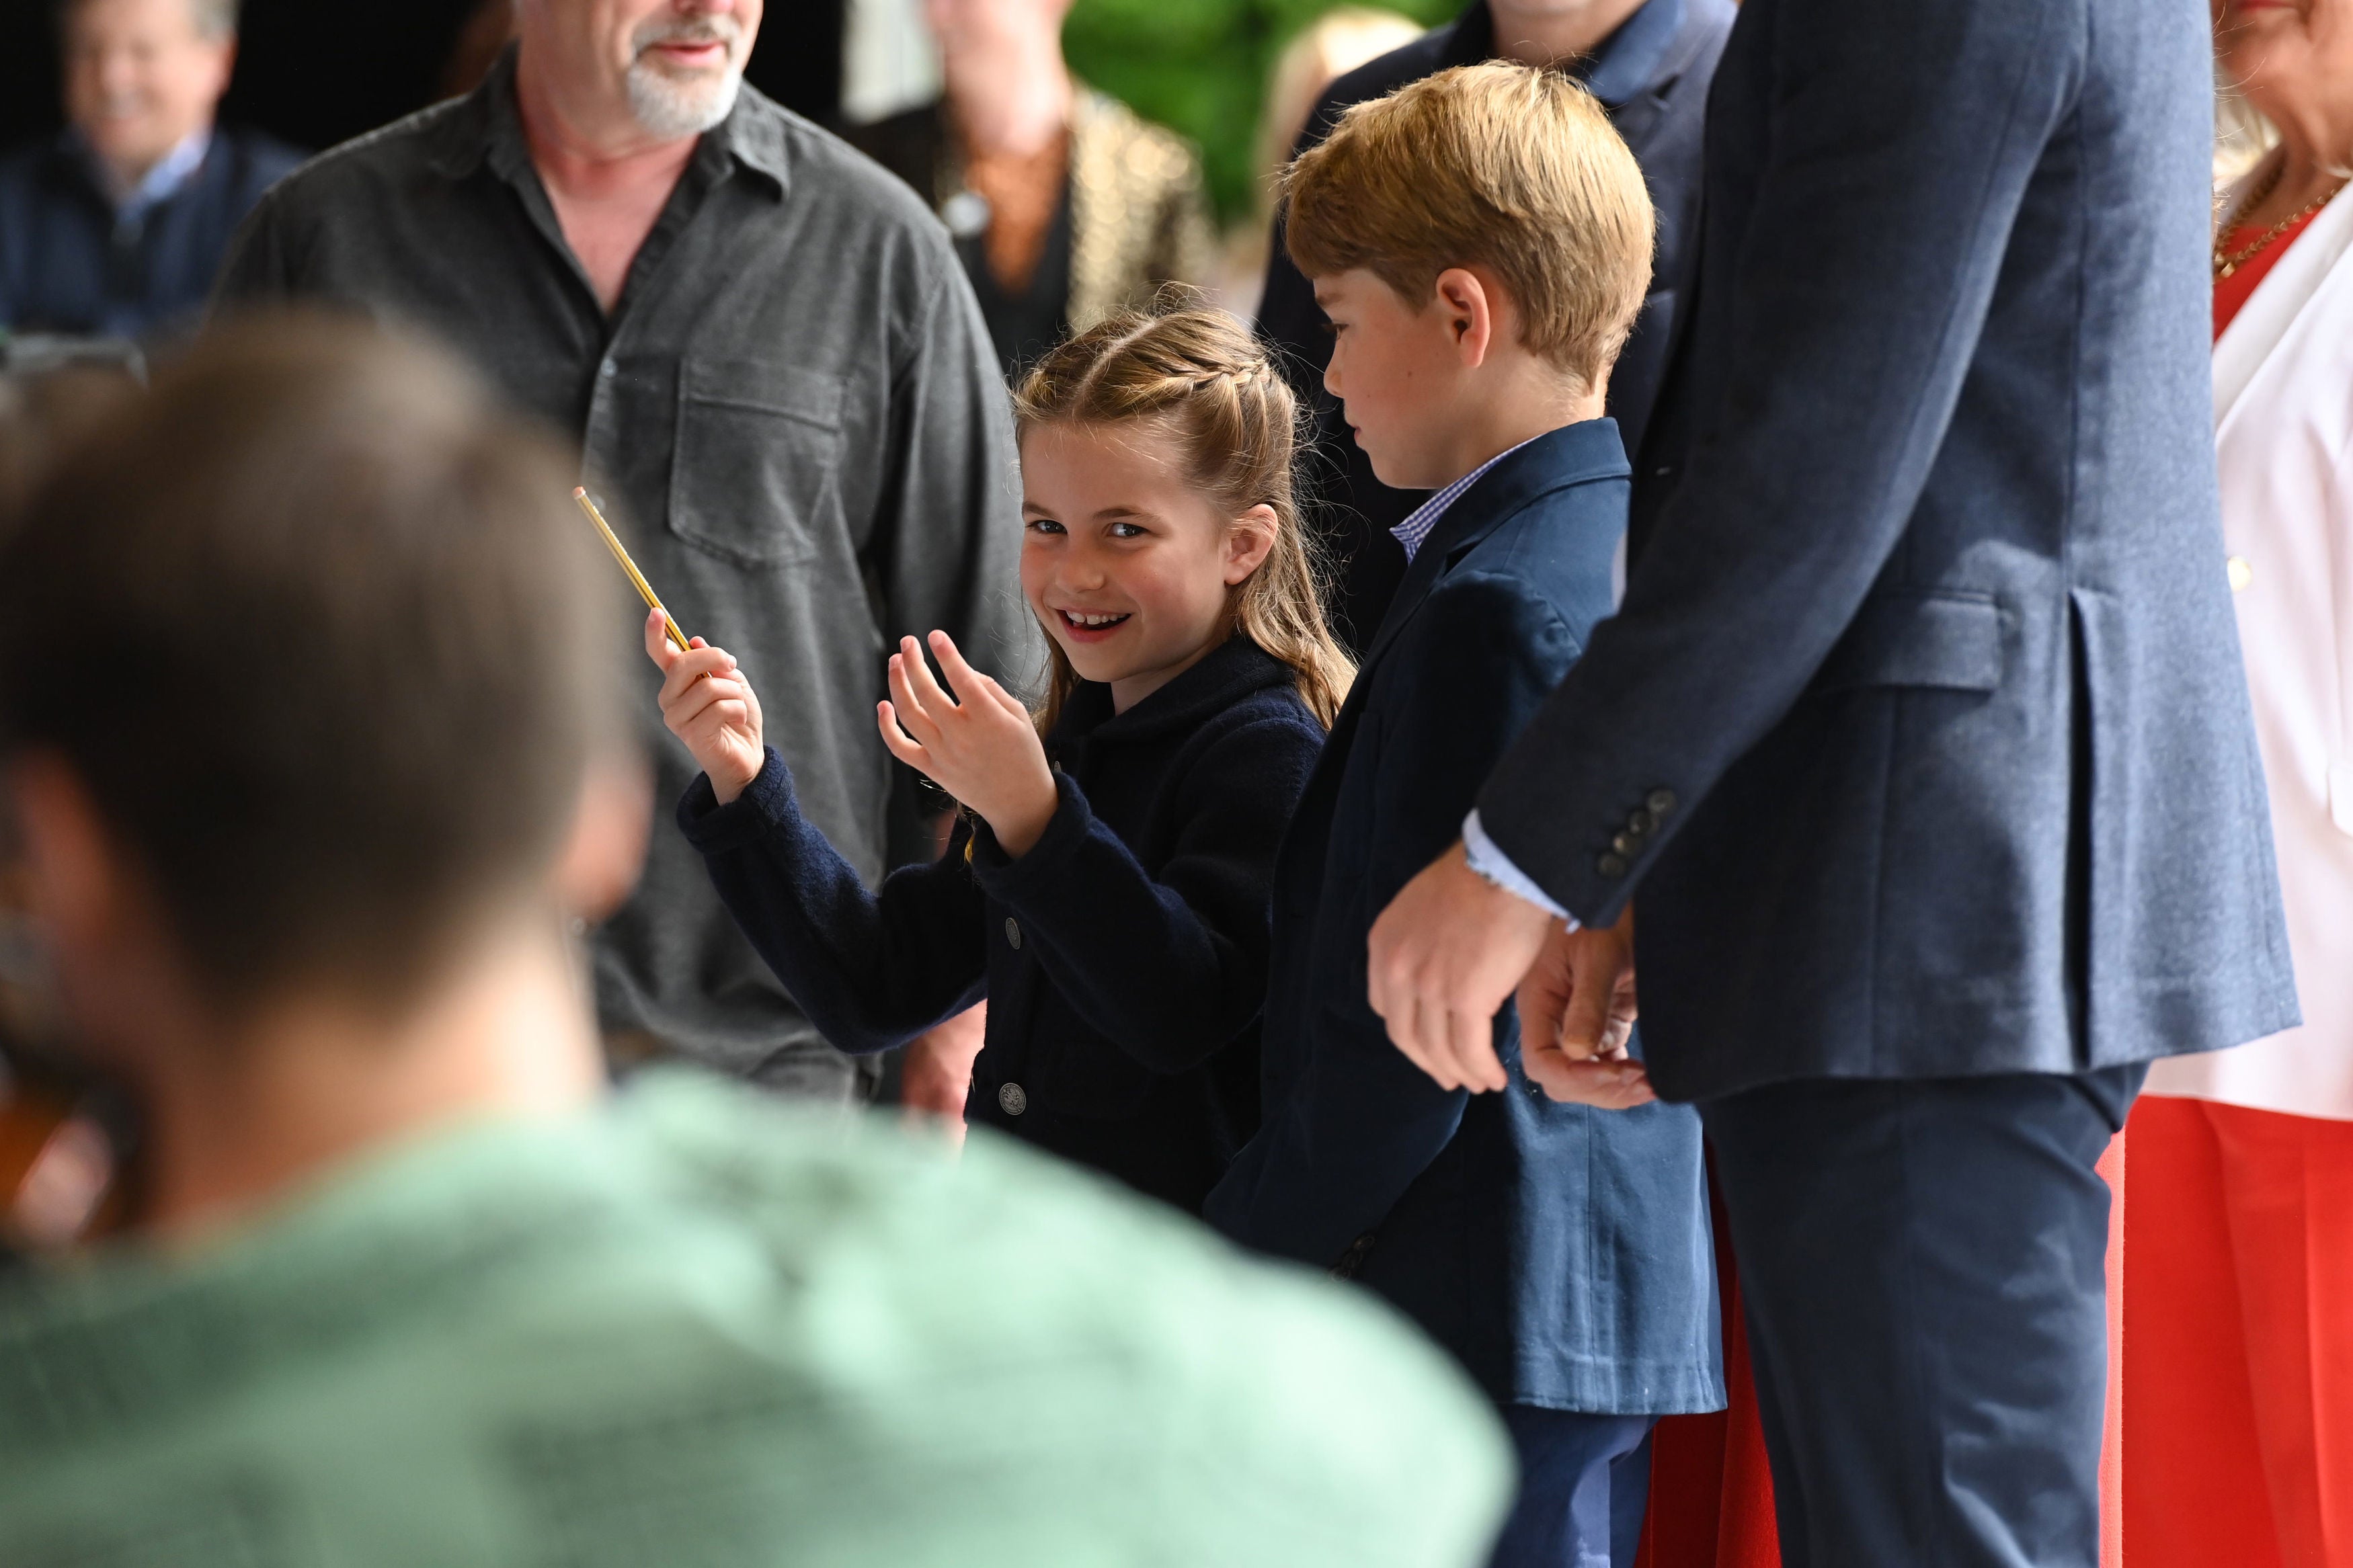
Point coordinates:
[(1496, 867)]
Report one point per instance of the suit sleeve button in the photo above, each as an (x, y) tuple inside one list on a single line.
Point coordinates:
[(1661, 802), (1013, 932), (1625, 843), (1012, 1099), (1640, 822), (1611, 865)]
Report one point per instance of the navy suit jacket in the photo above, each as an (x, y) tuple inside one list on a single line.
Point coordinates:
[(1922, 729), (1652, 76), (1562, 1253), (66, 266)]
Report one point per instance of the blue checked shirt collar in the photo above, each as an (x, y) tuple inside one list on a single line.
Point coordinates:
[(1417, 528)]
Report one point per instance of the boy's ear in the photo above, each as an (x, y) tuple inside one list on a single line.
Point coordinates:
[(1467, 306), (1249, 543)]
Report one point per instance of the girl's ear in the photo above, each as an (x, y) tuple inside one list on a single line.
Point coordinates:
[(1249, 543)]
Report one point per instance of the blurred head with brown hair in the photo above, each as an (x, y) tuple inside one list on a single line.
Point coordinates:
[(1157, 456), (305, 665)]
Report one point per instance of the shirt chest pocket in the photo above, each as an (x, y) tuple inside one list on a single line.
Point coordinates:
[(755, 476)]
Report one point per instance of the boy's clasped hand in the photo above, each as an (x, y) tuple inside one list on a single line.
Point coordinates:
[(983, 749)]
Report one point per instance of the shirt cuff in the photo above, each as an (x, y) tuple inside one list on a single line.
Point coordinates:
[(1496, 867)]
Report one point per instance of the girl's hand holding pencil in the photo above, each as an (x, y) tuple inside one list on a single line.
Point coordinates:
[(708, 704), (983, 749)]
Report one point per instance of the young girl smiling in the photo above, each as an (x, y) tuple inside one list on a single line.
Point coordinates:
[(1108, 886)]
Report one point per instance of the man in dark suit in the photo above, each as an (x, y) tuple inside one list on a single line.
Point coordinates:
[(115, 226), (1922, 734), (1649, 62)]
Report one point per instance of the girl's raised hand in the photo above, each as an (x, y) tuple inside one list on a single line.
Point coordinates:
[(707, 703), (983, 749)]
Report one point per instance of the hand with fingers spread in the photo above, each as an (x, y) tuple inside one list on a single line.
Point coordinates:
[(1577, 1018), (708, 704), (976, 742), (1444, 958)]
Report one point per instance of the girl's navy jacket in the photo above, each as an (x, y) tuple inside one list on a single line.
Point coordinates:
[(1124, 958)]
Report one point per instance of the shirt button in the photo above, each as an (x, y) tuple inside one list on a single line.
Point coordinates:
[(1013, 932), (1012, 1099), (1611, 865), (1661, 802), (2242, 573), (609, 370)]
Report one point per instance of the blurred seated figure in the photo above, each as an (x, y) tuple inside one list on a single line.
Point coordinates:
[(1065, 206), (312, 689), (115, 226)]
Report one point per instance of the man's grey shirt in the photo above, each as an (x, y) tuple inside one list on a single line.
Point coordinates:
[(794, 415)]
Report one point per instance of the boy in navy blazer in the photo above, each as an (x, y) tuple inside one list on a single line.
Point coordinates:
[(1482, 242)]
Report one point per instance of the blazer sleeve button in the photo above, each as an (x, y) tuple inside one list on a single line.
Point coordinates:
[(1612, 866), (1661, 802), (1640, 822)]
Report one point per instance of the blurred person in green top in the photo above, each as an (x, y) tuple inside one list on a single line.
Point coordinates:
[(308, 690)]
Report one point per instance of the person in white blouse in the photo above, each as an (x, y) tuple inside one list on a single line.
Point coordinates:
[(2238, 1257)]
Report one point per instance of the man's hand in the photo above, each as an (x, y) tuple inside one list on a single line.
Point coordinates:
[(708, 704), (1444, 956), (979, 745), (1577, 1014), (935, 1071)]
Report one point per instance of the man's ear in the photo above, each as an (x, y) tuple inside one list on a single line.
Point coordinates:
[(1249, 541), (606, 848), (1467, 308), (73, 870)]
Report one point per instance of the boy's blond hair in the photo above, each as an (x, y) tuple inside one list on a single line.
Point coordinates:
[(1498, 165)]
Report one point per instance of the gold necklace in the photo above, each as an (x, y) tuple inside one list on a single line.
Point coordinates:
[(2228, 262)]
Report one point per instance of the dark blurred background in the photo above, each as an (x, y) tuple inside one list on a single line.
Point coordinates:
[(316, 72)]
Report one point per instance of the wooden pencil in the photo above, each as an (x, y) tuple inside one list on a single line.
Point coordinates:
[(645, 589)]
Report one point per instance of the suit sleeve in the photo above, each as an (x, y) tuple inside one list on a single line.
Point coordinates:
[(1900, 141), (1171, 967), (1361, 1123), (872, 971)]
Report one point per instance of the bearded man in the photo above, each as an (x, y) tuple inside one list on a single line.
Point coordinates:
[(784, 393)]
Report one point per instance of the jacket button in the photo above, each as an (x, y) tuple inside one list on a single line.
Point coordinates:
[(1611, 865), (1012, 1099), (1013, 932), (1625, 843), (1640, 822), (1661, 802), (2242, 573)]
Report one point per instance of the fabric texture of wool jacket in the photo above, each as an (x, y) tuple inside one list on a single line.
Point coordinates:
[(1124, 958)]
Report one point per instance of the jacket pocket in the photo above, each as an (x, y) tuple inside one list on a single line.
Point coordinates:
[(1946, 639), (753, 477)]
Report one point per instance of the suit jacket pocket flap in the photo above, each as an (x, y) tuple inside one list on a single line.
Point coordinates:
[(1947, 640)]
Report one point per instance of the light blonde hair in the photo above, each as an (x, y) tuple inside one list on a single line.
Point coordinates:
[(1499, 165), (1199, 376)]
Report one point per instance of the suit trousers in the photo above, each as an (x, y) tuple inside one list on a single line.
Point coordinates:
[(1584, 1481), (1923, 1274)]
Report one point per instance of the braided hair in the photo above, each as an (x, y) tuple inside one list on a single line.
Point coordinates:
[(1200, 376)]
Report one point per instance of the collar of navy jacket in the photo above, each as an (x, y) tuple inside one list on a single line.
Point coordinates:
[(1227, 674), (1573, 455)]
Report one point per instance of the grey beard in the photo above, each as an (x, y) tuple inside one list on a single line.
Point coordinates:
[(667, 108)]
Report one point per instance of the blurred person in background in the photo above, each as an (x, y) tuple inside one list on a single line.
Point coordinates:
[(1649, 63), (784, 389), (2237, 1354), (116, 226), (406, 1285), (1066, 209), (1334, 44)]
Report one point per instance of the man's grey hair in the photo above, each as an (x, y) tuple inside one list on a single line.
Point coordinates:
[(214, 18)]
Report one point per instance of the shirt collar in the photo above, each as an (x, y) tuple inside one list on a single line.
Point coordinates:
[(1627, 64), (488, 126), (1417, 528), (158, 184)]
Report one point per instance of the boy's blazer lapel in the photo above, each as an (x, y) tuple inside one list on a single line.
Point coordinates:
[(1572, 455)]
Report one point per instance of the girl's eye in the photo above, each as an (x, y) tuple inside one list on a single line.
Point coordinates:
[(1126, 531), (1044, 525)]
